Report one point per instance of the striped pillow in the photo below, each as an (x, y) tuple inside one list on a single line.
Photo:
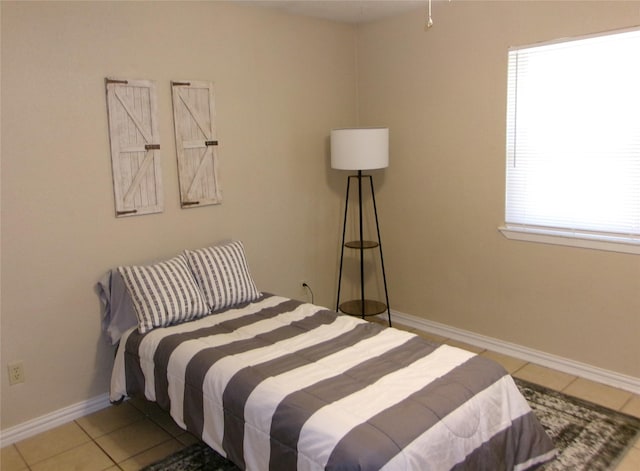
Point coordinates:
[(164, 293), (223, 275)]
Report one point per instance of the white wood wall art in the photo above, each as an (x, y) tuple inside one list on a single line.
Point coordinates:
[(196, 143), (135, 146)]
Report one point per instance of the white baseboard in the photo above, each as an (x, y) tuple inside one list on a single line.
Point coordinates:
[(583, 370), (53, 419)]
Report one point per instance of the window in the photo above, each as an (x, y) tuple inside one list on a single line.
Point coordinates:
[(573, 142)]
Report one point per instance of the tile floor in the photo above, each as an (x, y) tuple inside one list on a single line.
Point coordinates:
[(136, 433)]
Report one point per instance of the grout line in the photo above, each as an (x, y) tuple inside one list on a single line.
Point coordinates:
[(24, 460), (568, 385), (171, 439), (105, 452), (626, 403), (83, 429), (518, 369)]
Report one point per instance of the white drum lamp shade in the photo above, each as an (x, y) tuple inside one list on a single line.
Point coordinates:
[(359, 148)]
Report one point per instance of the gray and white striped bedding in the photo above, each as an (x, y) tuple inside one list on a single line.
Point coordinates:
[(277, 384)]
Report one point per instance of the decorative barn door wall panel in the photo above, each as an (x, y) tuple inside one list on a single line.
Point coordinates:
[(135, 146), (193, 112)]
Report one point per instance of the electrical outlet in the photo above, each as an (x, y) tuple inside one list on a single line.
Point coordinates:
[(16, 373)]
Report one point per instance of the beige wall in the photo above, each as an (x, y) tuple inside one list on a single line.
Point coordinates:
[(443, 95), (281, 83)]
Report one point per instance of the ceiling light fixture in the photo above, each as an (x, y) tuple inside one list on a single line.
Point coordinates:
[(429, 22)]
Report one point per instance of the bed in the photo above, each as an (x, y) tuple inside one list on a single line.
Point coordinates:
[(277, 384)]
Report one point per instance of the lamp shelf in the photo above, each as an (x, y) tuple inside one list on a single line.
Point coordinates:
[(364, 244), (371, 308)]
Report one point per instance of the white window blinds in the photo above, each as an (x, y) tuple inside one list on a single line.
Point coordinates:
[(573, 137)]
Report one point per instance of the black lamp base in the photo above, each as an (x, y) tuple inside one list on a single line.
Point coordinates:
[(362, 307)]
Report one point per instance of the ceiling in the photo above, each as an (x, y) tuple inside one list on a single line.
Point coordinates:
[(347, 11)]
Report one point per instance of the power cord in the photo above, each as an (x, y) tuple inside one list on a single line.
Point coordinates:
[(305, 285)]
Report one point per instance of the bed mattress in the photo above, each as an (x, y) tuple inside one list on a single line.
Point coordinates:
[(278, 384)]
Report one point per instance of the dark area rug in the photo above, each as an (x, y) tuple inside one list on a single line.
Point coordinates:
[(588, 437), (197, 457)]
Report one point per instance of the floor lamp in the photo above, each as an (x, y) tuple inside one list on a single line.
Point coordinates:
[(361, 149)]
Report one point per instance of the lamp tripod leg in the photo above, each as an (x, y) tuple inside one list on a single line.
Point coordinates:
[(384, 276), (344, 230), (362, 302)]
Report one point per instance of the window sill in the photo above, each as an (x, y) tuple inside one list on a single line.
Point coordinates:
[(568, 238)]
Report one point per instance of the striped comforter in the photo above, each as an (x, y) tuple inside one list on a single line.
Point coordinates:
[(282, 385)]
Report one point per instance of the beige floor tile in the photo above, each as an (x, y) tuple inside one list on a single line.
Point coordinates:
[(109, 419), (509, 363), (10, 459), (153, 411), (464, 346), (131, 440), (52, 442), (146, 407), (630, 462), (152, 455), (87, 457), (544, 376), (598, 393), (187, 439), (632, 407), (164, 420), (431, 337)]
